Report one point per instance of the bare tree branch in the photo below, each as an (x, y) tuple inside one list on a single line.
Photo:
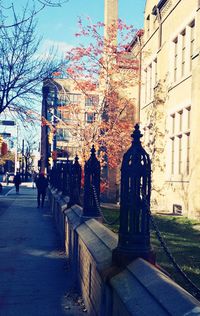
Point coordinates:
[(36, 7), (21, 68), (52, 3)]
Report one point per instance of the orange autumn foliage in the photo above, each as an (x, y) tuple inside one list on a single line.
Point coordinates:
[(104, 66)]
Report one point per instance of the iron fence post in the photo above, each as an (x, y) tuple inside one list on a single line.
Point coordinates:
[(91, 183), (67, 178), (134, 231), (76, 182)]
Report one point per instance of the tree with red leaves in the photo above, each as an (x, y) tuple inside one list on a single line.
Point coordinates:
[(102, 65)]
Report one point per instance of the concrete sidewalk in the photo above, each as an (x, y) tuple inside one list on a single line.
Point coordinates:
[(34, 275)]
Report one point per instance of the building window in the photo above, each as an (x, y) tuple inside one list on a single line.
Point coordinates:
[(180, 120), (155, 72), (68, 98), (63, 135), (188, 154), (148, 25), (172, 140), (180, 154), (175, 58), (92, 100), (188, 117), (172, 154), (150, 78), (155, 22), (192, 38), (179, 137), (184, 45), (62, 102), (75, 98), (183, 52), (90, 117), (173, 124)]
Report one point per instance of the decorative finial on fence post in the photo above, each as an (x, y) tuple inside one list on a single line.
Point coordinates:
[(76, 159), (136, 135), (93, 151), (134, 232), (91, 186), (76, 182)]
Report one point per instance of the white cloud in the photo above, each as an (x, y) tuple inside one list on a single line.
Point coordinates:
[(60, 48)]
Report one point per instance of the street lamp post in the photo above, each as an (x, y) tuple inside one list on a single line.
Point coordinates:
[(44, 131), (52, 109), (16, 150), (54, 123), (22, 159)]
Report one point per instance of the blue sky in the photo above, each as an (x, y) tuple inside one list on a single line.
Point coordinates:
[(58, 25)]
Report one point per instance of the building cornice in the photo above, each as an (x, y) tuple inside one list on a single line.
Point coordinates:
[(158, 6)]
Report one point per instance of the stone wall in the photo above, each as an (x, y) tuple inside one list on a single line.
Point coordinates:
[(139, 289)]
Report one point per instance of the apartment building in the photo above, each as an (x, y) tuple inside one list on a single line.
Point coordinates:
[(67, 117), (169, 93)]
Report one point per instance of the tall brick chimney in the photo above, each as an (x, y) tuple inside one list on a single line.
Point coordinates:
[(110, 15)]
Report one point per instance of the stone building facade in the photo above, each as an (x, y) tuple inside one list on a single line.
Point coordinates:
[(169, 92)]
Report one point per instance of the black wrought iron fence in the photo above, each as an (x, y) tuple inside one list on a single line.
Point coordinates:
[(135, 214)]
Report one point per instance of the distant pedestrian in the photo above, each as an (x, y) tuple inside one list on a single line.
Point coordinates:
[(17, 181), (41, 185), (7, 178), (34, 177)]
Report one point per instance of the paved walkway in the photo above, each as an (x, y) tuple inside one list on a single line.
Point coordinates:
[(34, 276)]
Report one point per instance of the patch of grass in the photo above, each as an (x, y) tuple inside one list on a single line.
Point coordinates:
[(182, 237), (111, 215)]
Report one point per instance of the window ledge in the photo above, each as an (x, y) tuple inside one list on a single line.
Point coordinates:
[(178, 178), (176, 83)]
